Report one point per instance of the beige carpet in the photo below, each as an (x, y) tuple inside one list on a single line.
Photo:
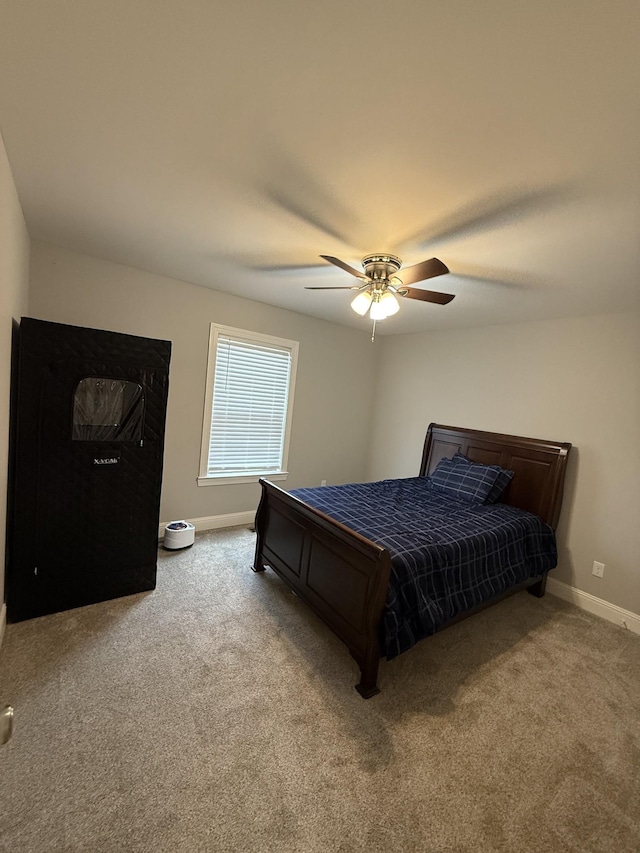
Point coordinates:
[(218, 714)]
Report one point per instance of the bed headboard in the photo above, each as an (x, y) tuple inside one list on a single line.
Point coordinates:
[(539, 466)]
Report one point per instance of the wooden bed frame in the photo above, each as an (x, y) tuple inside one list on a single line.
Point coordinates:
[(344, 577)]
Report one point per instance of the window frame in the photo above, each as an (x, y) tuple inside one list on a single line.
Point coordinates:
[(215, 331)]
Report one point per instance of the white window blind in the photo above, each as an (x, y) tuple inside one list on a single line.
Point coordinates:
[(250, 404)]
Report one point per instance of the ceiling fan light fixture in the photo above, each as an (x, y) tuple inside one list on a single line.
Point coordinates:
[(389, 303), (378, 309), (362, 302), (383, 305)]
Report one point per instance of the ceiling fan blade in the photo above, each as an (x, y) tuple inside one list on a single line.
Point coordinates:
[(427, 295), (345, 267), (422, 271), (353, 287)]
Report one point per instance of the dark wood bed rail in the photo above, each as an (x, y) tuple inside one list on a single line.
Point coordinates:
[(344, 577)]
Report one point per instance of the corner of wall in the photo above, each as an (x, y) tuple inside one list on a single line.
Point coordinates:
[(14, 283)]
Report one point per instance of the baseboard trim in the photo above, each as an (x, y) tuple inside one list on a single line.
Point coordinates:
[(597, 606), (215, 522), (3, 622)]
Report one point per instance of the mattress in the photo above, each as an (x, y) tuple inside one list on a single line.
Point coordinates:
[(447, 555)]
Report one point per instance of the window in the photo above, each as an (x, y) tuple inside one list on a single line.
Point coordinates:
[(248, 405), (107, 410)]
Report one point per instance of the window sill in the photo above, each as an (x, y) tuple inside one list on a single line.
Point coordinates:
[(228, 479)]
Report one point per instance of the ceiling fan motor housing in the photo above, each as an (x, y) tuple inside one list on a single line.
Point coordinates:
[(380, 268)]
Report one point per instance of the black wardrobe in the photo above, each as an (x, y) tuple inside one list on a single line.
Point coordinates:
[(86, 466)]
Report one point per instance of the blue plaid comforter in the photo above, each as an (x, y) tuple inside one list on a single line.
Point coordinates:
[(447, 555)]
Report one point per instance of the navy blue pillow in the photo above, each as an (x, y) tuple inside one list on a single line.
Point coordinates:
[(504, 477), (464, 481)]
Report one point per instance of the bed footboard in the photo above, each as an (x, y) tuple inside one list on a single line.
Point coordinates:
[(341, 575)]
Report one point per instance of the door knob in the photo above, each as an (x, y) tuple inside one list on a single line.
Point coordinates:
[(6, 724)]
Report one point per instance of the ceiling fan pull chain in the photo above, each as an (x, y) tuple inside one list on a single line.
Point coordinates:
[(373, 332)]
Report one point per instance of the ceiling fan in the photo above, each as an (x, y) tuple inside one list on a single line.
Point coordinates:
[(384, 279)]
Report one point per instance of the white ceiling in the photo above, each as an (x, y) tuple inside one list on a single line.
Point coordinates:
[(213, 141)]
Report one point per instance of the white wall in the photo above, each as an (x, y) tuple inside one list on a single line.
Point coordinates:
[(334, 389), (574, 380), (14, 282)]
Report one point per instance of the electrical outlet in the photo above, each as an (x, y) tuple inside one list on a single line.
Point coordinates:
[(323, 482), (598, 569)]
